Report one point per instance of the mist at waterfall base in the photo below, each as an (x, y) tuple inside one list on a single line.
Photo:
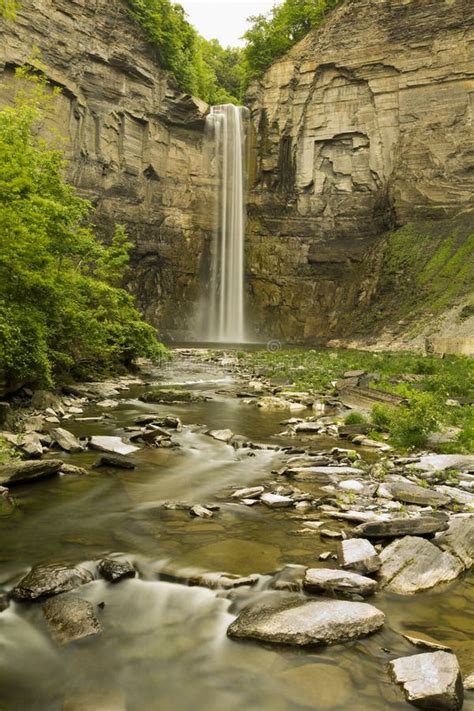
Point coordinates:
[(222, 318)]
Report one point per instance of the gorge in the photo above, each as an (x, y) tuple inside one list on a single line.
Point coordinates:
[(363, 129)]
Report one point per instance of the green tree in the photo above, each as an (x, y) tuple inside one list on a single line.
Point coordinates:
[(61, 308)]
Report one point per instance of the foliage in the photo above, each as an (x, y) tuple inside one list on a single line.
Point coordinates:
[(355, 418), (61, 308), (202, 68), (271, 35), (8, 9), (429, 385), (7, 451)]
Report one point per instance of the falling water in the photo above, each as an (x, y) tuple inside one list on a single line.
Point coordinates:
[(226, 319)]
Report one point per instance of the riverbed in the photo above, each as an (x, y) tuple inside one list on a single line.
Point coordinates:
[(165, 645)]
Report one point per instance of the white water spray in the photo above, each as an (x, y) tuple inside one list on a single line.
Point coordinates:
[(226, 315)]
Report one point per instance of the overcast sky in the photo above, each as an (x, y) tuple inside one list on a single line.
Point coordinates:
[(224, 19)]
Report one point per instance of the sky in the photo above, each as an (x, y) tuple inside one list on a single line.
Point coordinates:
[(224, 19)]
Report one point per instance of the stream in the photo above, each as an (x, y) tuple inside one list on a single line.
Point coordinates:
[(165, 645)]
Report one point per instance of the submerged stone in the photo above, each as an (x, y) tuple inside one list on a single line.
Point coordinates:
[(70, 619), (302, 623), (430, 681)]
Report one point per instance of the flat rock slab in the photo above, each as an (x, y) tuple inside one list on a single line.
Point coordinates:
[(70, 619), (459, 496), (252, 492), (308, 623), (171, 395), (321, 580), (49, 580), (360, 555), (25, 472), (459, 539), (413, 494), (275, 501), (395, 527), (113, 445), (412, 564), (441, 462), (114, 570), (431, 681), (221, 435), (65, 440)]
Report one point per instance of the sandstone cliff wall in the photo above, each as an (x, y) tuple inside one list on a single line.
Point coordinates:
[(133, 141), (365, 125)]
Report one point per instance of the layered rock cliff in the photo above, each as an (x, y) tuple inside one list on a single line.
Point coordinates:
[(134, 142), (366, 125)]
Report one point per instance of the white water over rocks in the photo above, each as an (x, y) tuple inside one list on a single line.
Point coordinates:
[(226, 318)]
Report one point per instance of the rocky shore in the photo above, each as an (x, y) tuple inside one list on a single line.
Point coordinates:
[(393, 524)]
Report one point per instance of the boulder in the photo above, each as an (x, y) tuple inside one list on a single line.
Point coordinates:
[(431, 680), (298, 622), (70, 619), (24, 472), (326, 580), (114, 570), (31, 444), (113, 461), (395, 527), (44, 399), (413, 494), (413, 564), (171, 395), (459, 539), (50, 579), (360, 555), (65, 440), (112, 445)]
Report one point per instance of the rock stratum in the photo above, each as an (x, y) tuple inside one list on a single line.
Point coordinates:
[(363, 128)]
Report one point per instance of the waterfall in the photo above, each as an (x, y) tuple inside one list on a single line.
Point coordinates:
[(226, 126)]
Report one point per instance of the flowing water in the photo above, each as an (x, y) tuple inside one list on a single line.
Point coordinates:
[(227, 130), (164, 646)]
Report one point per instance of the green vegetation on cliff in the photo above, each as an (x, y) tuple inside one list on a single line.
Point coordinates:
[(202, 68), (430, 386), (61, 307), (271, 35)]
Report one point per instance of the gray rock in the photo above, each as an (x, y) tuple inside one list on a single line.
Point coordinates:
[(459, 539), (463, 498), (114, 570), (412, 564), (469, 682), (441, 462), (25, 472), (72, 470), (431, 681), (200, 512), (221, 435), (395, 527), (322, 580), (70, 619), (360, 555), (113, 445), (51, 579), (275, 501), (31, 444), (297, 622), (113, 461), (413, 494), (65, 440)]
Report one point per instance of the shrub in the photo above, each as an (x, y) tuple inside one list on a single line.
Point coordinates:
[(355, 418)]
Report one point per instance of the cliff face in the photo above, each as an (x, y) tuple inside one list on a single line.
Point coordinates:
[(133, 141), (365, 125)]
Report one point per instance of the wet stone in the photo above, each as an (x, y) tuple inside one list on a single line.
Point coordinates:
[(114, 571), (432, 680), (49, 580), (72, 470), (171, 395), (200, 512), (70, 619), (113, 461), (25, 472), (221, 435), (249, 493), (326, 580), (301, 623), (65, 440)]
